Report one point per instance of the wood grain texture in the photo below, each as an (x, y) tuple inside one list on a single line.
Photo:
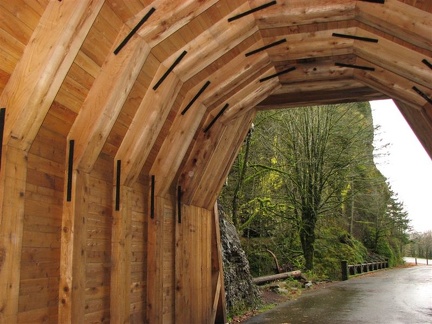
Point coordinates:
[(60, 80), (40, 73)]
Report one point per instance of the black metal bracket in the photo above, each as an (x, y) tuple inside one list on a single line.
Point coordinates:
[(117, 192), (363, 39), (374, 1), (422, 94), (179, 197), (134, 30), (427, 63), (266, 47), (277, 74), (2, 124), (70, 170), (196, 97), (177, 61), (271, 3), (152, 197), (360, 67), (216, 118)]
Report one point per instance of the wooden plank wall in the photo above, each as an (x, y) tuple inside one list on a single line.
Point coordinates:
[(98, 224), (182, 280), (138, 267), (193, 265), (40, 256), (168, 250)]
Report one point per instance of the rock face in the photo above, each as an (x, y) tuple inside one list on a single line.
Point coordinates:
[(240, 292)]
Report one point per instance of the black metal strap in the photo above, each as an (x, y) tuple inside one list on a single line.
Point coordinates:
[(252, 11), (196, 97), (281, 41), (117, 193), (277, 74), (152, 197), (422, 94), (177, 61), (360, 67), (70, 170), (179, 197), (216, 118), (363, 39), (2, 124), (134, 30), (427, 63)]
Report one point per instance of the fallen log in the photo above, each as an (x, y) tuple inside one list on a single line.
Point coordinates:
[(283, 275)]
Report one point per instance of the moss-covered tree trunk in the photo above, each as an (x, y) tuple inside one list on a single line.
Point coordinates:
[(307, 237)]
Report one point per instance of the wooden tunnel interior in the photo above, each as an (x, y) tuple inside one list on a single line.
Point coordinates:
[(120, 120)]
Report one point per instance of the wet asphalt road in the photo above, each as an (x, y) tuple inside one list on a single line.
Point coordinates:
[(392, 296)]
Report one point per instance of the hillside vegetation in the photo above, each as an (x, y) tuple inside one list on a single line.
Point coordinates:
[(305, 188)]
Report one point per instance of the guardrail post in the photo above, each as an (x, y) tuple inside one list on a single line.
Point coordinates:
[(344, 267)]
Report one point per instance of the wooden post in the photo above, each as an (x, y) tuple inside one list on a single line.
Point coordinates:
[(73, 255), (155, 239), (13, 176), (219, 304), (344, 268), (121, 259)]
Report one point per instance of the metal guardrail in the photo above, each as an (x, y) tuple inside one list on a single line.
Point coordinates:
[(354, 269)]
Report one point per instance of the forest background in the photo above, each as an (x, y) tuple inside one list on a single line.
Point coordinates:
[(305, 188)]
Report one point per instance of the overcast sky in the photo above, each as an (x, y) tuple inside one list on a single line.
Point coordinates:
[(407, 167)]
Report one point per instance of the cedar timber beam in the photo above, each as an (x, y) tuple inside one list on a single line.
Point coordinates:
[(390, 84), (153, 111), (419, 122), (121, 258), (184, 127), (219, 312), (293, 12), (311, 93), (105, 100), (194, 164), (395, 58), (169, 17), (89, 133), (210, 183), (133, 153), (13, 175), (206, 48), (43, 66), (319, 44), (249, 96), (399, 20), (73, 255)]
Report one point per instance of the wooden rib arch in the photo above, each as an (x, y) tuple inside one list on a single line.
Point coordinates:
[(98, 98), (183, 129)]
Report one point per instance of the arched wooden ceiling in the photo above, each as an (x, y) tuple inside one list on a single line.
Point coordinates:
[(81, 99), (178, 97)]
